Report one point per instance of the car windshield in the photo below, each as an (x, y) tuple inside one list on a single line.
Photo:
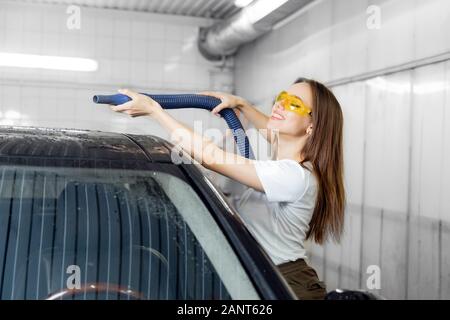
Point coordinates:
[(74, 233)]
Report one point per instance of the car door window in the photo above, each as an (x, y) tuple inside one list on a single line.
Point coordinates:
[(68, 233)]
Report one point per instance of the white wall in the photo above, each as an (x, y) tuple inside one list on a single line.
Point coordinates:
[(397, 134), (330, 41), (143, 51)]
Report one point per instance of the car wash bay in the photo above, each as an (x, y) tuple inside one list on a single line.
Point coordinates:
[(386, 60)]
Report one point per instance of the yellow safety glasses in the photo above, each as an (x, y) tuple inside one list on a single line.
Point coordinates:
[(293, 103)]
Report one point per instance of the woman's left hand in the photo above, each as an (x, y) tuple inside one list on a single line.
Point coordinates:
[(139, 105)]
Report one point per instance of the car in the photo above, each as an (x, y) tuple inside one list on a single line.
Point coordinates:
[(97, 215)]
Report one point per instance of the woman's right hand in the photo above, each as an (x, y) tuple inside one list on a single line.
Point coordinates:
[(228, 101)]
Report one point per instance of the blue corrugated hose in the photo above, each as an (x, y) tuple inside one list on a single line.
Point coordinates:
[(185, 101)]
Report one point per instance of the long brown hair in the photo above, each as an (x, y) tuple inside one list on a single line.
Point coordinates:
[(324, 150)]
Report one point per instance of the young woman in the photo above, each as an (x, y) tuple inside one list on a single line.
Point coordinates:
[(303, 185)]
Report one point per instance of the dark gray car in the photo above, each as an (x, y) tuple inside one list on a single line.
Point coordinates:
[(94, 215)]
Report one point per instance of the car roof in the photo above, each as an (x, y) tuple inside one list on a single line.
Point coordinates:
[(18, 141)]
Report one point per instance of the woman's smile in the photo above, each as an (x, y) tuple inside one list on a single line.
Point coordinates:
[(276, 114)]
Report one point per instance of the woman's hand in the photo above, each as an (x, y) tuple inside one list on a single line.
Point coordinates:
[(140, 105), (228, 101)]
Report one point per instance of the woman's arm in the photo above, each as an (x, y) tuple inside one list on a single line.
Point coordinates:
[(201, 148), (256, 117)]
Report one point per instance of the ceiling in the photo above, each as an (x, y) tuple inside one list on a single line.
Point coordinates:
[(216, 9)]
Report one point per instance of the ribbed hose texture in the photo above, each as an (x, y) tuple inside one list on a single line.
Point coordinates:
[(188, 101)]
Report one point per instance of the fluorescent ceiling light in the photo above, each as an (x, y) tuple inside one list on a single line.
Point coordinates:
[(242, 3), (262, 8), (20, 60)]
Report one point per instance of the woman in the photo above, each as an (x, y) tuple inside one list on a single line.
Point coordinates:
[(303, 185)]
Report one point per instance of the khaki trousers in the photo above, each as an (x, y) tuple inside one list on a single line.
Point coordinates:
[(303, 280)]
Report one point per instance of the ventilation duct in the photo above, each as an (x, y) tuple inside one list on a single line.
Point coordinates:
[(225, 37)]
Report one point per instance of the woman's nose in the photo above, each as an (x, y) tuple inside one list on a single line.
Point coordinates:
[(278, 106)]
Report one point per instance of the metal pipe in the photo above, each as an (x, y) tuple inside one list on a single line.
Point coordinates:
[(225, 37)]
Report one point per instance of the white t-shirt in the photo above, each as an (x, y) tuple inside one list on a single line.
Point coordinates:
[(290, 192)]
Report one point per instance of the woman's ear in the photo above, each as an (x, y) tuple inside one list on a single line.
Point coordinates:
[(309, 130)]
